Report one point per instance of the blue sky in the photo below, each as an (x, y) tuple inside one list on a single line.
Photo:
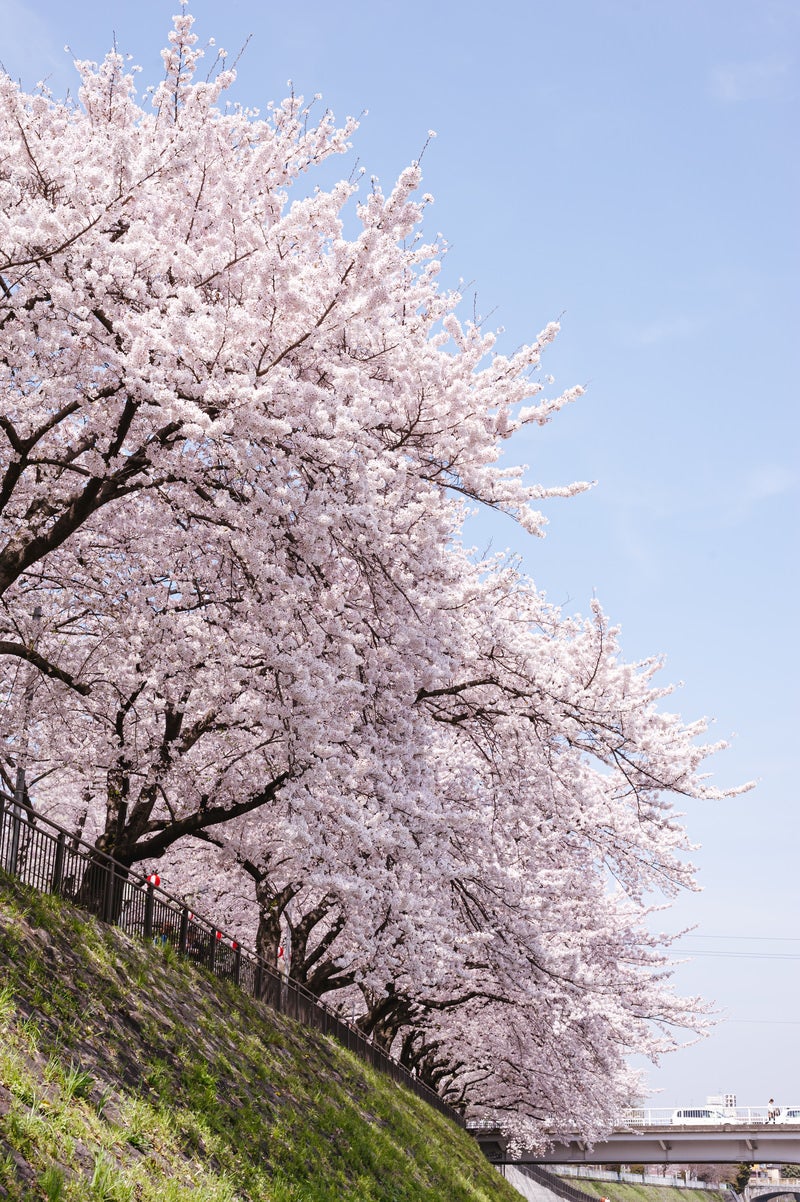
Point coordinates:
[(630, 166)]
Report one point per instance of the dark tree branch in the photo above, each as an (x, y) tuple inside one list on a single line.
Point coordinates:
[(44, 666)]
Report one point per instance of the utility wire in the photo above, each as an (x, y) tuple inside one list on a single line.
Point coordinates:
[(766, 1022), (688, 951), (755, 938)]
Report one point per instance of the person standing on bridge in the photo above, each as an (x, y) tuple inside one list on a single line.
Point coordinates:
[(772, 1111)]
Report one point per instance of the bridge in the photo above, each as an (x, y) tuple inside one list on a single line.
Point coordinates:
[(763, 1191), (724, 1143), (668, 1143)]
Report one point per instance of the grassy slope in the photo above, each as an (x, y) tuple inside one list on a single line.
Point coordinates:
[(621, 1191), (127, 1076)]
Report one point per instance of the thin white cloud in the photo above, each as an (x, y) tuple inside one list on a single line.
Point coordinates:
[(769, 480), (732, 83), (668, 329)]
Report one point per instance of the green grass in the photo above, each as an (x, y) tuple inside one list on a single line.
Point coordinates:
[(126, 1076), (624, 1191)]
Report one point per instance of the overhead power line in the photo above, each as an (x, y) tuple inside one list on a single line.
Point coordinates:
[(689, 951), (766, 1022), (749, 938)]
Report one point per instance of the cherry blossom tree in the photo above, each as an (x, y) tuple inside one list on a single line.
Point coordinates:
[(483, 894), (240, 634), (185, 352)]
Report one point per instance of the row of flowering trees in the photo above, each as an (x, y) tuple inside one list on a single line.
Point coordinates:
[(240, 634)]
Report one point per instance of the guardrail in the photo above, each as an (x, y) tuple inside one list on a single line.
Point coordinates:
[(44, 855), (666, 1116), (580, 1171)]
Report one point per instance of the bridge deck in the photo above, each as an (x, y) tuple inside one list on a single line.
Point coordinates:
[(729, 1143)]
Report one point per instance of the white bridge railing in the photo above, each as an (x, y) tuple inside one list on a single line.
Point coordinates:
[(666, 1116)]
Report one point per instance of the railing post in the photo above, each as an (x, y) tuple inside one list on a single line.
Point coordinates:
[(16, 818), (237, 963), (148, 912), (212, 950), (183, 942), (258, 989), (13, 850), (58, 864), (108, 900)]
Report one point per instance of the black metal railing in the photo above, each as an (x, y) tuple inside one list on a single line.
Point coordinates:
[(42, 854), (555, 1184)]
